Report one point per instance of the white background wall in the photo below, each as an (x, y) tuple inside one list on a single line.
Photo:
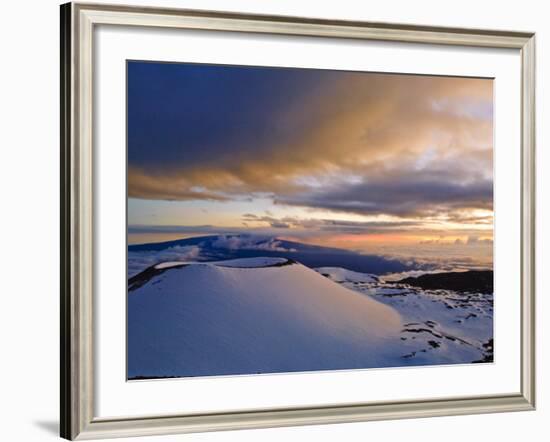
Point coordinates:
[(29, 206)]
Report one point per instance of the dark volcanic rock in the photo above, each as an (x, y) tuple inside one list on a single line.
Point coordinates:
[(472, 281), (488, 355), (144, 277)]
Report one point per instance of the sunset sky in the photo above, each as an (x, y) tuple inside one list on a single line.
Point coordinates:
[(380, 163)]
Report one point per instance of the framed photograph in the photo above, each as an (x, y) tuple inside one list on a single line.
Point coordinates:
[(272, 221)]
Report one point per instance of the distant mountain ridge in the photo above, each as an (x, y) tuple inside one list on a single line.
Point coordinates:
[(222, 247), (471, 281)]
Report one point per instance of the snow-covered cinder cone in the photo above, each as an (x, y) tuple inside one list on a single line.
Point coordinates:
[(257, 315)]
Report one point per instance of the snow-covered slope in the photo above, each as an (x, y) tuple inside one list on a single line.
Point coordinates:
[(338, 274), (440, 326), (253, 316)]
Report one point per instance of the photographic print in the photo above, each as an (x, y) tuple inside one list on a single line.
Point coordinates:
[(292, 220)]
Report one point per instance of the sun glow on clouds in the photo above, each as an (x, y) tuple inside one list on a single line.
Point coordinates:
[(352, 160)]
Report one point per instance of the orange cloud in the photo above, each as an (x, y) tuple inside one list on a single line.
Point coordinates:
[(375, 129)]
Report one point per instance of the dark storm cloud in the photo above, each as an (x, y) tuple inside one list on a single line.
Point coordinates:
[(183, 115), (401, 196)]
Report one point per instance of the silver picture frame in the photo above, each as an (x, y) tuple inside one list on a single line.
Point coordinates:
[(78, 21)]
